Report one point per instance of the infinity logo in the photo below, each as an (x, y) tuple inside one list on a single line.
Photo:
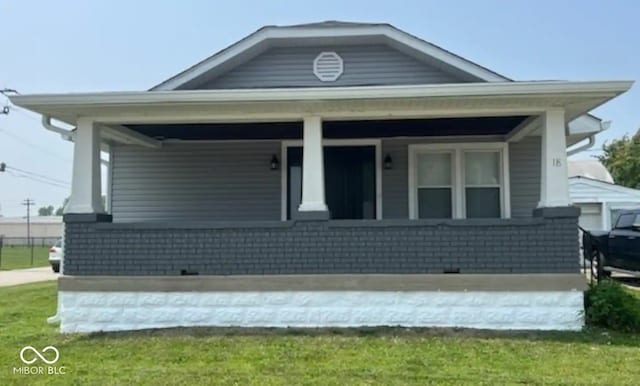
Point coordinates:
[(39, 355)]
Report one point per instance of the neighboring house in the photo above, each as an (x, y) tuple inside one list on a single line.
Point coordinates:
[(591, 188), (43, 230), (326, 174)]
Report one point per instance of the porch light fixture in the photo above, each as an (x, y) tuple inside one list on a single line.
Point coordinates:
[(388, 162), (275, 163)]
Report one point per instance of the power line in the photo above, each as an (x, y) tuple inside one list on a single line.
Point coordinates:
[(25, 142), (24, 112), (54, 184), (37, 175)]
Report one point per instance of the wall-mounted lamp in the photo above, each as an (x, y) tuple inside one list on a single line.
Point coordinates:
[(275, 163), (388, 162)]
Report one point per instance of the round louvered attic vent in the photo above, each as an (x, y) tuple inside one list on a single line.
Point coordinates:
[(328, 66)]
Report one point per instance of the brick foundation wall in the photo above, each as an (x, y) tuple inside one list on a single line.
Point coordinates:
[(533, 245)]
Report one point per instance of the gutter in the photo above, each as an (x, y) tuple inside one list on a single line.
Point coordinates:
[(592, 140), (116, 135), (601, 88), (65, 134)]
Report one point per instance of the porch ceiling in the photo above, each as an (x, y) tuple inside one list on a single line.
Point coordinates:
[(336, 129)]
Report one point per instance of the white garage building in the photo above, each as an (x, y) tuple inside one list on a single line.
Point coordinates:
[(592, 188)]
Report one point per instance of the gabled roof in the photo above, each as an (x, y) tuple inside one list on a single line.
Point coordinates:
[(584, 190), (330, 31), (334, 31)]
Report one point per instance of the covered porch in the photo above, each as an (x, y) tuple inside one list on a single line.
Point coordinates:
[(428, 205), (464, 178)]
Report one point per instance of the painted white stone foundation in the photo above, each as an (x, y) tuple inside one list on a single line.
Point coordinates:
[(115, 311)]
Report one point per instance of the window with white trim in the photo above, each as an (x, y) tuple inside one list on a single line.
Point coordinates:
[(435, 184), (482, 184), (458, 181)]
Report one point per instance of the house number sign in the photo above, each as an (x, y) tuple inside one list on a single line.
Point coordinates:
[(557, 162)]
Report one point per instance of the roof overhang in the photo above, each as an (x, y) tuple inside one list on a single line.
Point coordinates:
[(335, 103)]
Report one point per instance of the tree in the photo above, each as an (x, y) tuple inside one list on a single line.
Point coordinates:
[(60, 210), (622, 158), (46, 211)]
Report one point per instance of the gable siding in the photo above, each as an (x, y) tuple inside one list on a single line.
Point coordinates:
[(363, 65), (196, 182), (524, 168)]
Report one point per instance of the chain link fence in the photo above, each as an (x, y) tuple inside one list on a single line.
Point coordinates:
[(23, 252)]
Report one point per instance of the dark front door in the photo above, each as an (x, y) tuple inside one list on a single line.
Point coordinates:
[(350, 181)]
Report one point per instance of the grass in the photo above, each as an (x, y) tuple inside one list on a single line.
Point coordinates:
[(323, 357), (16, 257)]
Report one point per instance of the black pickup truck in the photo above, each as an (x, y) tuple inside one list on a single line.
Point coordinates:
[(617, 250)]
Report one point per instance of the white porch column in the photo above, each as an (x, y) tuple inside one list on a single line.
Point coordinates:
[(554, 184), (85, 182), (313, 199)]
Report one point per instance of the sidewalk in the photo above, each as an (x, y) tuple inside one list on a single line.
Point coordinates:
[(23, 276)]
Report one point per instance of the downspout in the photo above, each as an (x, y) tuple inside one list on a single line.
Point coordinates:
[(65, 134), (592, 139), (68, 136)]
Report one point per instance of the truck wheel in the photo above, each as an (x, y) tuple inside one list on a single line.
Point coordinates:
[(597, 267)]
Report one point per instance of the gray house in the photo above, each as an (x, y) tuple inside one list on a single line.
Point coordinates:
[(327, 174)]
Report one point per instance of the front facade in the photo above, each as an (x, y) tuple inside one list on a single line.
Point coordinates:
[(330, 174)]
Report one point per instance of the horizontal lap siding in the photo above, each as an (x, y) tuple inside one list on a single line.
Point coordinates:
[(525, 171), (395, 189), (214, 181), (524, 174), (232, 181), (363, 65)]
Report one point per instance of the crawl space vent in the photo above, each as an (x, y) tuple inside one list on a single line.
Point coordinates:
[(328, 66)]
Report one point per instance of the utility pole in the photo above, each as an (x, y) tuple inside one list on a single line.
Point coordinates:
[(28, 203)]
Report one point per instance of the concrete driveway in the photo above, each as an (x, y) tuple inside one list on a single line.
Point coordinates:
[(23, 276)]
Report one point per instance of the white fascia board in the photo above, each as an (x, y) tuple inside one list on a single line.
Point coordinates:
[(263, 35), (603, 89)]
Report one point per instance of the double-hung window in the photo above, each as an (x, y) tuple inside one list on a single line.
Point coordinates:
[(435, 184), (458, 181), (482, 184)]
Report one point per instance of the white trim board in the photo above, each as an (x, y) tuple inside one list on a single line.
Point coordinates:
[(457, 150), (377, 143)]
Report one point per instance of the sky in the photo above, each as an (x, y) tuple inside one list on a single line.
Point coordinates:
[(116, 45)]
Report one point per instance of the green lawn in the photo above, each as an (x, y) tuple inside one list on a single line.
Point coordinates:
[(20, 257), (268, 357)]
